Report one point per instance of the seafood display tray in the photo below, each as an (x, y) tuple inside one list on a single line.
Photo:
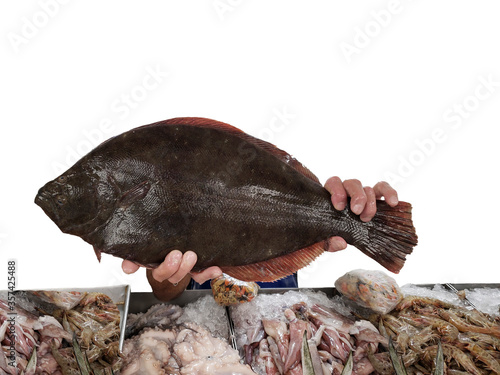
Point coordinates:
[(142, 301), (120, 294)]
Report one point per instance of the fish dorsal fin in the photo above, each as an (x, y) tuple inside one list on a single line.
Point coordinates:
[(269, 147), (277, 268)]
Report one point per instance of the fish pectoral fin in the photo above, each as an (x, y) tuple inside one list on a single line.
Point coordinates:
[(276, 268), (136, 193), (97, 254)]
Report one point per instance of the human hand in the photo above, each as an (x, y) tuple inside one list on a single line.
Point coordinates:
[(363, 201), (172, 276), (176, 267)]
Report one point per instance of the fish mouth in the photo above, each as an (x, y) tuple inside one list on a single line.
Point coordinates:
[(44, 200)]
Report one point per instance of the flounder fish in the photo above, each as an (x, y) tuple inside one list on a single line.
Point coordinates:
[(238, 202)]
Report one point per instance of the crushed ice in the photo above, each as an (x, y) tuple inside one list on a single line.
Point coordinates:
[(486, 300), (207, 313)]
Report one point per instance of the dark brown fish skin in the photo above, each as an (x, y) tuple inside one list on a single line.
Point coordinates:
[(173, 185)]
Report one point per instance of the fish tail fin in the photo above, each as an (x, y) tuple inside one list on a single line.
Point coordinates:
[(389, 237)]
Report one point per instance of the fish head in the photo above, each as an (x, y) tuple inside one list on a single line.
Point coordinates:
[(71, 202)]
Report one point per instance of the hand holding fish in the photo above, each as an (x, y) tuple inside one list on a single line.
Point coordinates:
[(174, 274), (237, 202), (363, 201)]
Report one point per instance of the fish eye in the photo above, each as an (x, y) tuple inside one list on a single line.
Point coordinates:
[(61, 179), (61, 200)]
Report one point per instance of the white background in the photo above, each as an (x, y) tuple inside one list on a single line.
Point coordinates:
[(354, 89)]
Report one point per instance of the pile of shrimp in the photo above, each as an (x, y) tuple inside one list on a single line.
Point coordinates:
[(470, 339), (95, 320), (96, 323)]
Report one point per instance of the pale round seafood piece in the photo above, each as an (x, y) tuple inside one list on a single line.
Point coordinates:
[(183, 349)]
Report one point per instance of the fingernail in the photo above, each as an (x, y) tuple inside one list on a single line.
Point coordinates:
[(190, 256), (357, 209), (175, 259), (339, 206), (393, 201), (128, 269)]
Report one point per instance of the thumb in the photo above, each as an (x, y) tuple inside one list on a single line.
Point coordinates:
[(336, 244), (206, 274), (129, 267)]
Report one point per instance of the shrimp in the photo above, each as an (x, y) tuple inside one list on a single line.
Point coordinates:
[(410, 357), (476, 317), (483, 356), (410, 301), (402, 330), (456, 372), (482, 339), (65, 360), (448, 331), (450, 351), (465, 327), (425, 335), (381, 363)]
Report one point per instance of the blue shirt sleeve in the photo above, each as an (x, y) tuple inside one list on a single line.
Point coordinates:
[(286, 282)]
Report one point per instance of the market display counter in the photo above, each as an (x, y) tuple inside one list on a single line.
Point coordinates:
[(196, 335)]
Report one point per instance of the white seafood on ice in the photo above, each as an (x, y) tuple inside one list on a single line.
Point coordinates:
[(186, 349), (285, 320), (161, 315), (203, 354)]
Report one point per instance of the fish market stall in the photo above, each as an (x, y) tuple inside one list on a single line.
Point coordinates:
[(282, 331), (268, 332), (61, 331)]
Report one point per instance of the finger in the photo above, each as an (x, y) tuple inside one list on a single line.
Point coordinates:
[(187, 263), (336, 244), (129, 267), (168, 267), (371, 205), (206, 274), (356, 192), (383, 189), (336, 189)]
